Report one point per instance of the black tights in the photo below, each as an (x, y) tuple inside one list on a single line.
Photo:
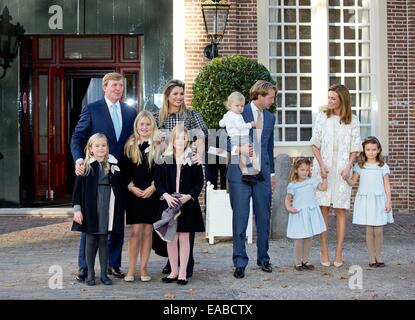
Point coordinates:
[(96, 242)]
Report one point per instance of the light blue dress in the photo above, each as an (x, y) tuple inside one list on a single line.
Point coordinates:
[(308, 221), (370, 201)]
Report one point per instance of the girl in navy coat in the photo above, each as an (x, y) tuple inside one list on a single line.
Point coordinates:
[(178, 174), (98, 203)]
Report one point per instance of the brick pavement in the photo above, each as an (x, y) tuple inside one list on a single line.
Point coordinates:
[(29, 246)]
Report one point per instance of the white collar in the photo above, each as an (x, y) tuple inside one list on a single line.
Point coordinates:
[(109, 103), (111, 159)]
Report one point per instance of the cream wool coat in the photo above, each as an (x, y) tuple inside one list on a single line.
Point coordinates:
[(327, 132)]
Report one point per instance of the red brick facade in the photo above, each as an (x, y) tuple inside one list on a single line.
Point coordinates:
[(241, 38), (401, 22)]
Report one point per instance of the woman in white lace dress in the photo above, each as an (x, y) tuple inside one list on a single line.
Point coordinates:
[(335, 144)]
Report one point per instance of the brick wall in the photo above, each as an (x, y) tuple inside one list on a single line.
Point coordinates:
[(399, 88), (411, 98), (240, 37)]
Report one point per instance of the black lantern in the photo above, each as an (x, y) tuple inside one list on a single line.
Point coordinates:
[(9, 40), (215, 16)]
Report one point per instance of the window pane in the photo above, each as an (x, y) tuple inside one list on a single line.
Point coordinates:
[(305, 134), (364, 116), (305, 66), (334, 32), (305, 49), (305, 15), (333, 3), (349, 33), (275, 33), (365, 100), (364, 50), (130, 48), (350, 82), (45, 48), (88, 48), (290, 83), (305, 117), (335, 80), (335, 66), (290, 32), (305, 100), (334, 16), (290, 66), (274, 15), (349, 16), (305, 32), (291, 134), (291, 117), (291, 100), (290, 49), (290, 15), (279, 117), (349, 49), (305, 83), (43, 114), (275, 49), (335, 49), (350, 66)]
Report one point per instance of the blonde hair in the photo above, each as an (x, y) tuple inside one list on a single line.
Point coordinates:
[(261, 88), (379, 157), (131, 149), (297, 164), (234, 96), (89, 155), (164, 110), (176, 131), (345, 106), (111, 76)]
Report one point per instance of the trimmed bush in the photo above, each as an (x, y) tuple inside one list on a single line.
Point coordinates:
[(219, 78)]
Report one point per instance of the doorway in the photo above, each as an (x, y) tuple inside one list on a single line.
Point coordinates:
[(53, 93)]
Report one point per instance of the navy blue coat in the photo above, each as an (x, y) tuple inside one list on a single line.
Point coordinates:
[(95, 118)]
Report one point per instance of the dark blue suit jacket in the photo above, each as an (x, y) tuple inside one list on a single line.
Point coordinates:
[(95, 118), (234, 173)]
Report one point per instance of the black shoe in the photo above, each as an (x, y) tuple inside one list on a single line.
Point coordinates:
[(307, 266), (169, 280), (239, 273), (82, 275), (116, 272), (107, 281), (298, 268), (90, 282), (167, 268), (266, 266), (380, 264), (249, 179), (182, 282)]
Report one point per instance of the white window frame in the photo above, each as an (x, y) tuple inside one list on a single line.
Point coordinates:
[(320, 62)]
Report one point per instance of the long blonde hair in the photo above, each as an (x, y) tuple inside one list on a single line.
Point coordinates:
[(131, 148), (164, 110), (173, 135), (345, 104), (89, 155), (297, 164)]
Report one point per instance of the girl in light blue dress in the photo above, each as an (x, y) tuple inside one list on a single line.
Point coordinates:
[(372, 206), (305, 219)]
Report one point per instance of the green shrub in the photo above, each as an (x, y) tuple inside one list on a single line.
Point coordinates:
[(221, 77)]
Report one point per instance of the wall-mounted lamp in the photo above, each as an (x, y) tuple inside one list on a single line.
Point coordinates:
[(215, 17), (10, 38)]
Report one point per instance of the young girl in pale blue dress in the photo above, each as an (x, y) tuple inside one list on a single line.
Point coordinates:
[(372, 206), (305, 219)]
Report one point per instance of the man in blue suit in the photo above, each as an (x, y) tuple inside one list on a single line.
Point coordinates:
[(241, 191), (115, 119)]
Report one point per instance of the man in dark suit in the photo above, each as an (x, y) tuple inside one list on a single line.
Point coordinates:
[(115, 119), (260, 187)]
